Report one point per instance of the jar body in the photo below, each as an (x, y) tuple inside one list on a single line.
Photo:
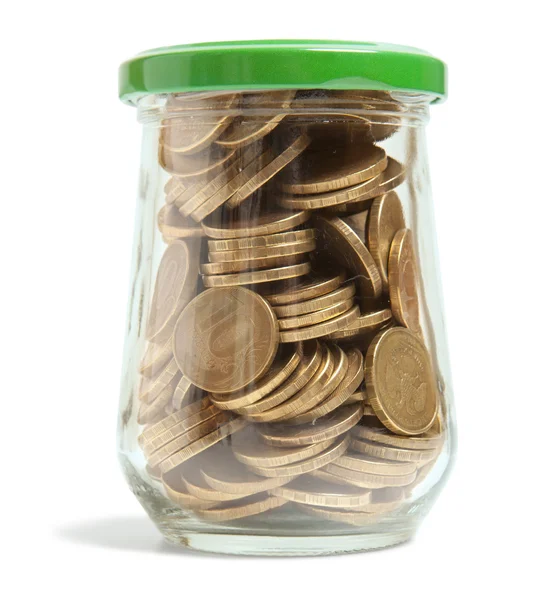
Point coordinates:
[(286, 383)]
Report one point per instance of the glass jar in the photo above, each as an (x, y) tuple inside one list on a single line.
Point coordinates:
[(286, 385)]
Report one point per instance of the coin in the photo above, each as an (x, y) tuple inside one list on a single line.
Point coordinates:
[(323, 171), (287, 155), (249, 264), (147, 412), (305, 466), (388, 453), (341, 516), (385, 219), (390, 178), (321, 430), (266, 224), (208, 162), (178, 493), (151, 388), (266, 252), (202, 444), (366, 325), (198, 487), (241, 509), (337, 240), (287, 238), (310, 361), (175, 285), (322, 329), (181, 392), (317, 493), (369, 480), (173, 225), (403, 286), (254, 277), (308, 289), (309, 306), (427, 441), (225, 339), (318, 316), (374, 466), (279, 372), (385, 500), (155, 357), (173, 188), (400, 382)]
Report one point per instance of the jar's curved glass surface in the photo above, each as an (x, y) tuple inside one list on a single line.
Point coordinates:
[(286, 384)]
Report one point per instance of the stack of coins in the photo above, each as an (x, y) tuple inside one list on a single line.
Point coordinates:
[(286, 364)]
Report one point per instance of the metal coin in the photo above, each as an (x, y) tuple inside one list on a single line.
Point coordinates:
[(178, 493), (209, 162), (147, 412), (340, 516), (317, 316), (266, 252), (311, 287), (155, 357), (241, 509), (173, 225), (385, 500), (366, 325), (374, 466), (369, 480), (309, 306), (426, 441), (250, 264), (400, 382), (225, 339), (181, 393), (261, 241), (322, 329), (254, 277), (198, 487), (266, 224), (389, 453), (151, 388)]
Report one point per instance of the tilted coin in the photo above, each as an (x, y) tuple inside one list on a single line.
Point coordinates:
[(312, 491), (321, 430), (309, 288), (309, 306), (254, 277), (374, 466), (151, 388), (287, 155), (385, 500), (210, 162), (337, 240), (311, 359), (202, 444), (173, 225), (369, 480), (359, 396), (366, 325), (181, 393), (317, 316), (147, 412), (389, 453), (173, 188), (224, 339), (180, 103), (266, 224), (385, 219), (264, 253), (426, 441), (400, 382), (254, 505), (322, 329), (278, 373), (337, 449), (155, 357), (175, 285), (403, 286), (178, 493), (198, 487), (341, 516), (250, 264), (323, 171), (288, 238)]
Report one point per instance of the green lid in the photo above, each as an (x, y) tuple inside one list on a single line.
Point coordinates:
[(277, 64)]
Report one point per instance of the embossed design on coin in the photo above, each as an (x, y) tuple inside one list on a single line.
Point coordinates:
[(225, 338)]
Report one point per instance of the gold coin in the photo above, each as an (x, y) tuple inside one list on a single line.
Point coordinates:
[(426, 441), (389, 453), (254, 277), (358, 397), (337, 397), (288, 238), (366, 325), (385, 219), (249, 264), (193, 101), (369, 480), (173, 188), (294, 149), (225, 339), (307, 394), (266, 252), (279, 372), (322, 329), (385, 500), (317, 493), (250, 450), (156, 357), (340, 516), (201, 445), (175, 285), (247, 129), (181, 393), (147, 412), (266, 224), (323, 171), (318, 316), (308, 289), (209, 162), (173, 225), (241, 509), (224, 473), (403, 286), (374, 466), (338, 240), (178, 494), (337, 449), (328, 428), (344, 293), (198, 487), (309, 363), (400, 382), (151, 388)]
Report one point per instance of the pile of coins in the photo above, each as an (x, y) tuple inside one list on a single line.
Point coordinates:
[(286, 364)]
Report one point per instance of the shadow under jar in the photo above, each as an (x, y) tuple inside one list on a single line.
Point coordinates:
[(286, 383)]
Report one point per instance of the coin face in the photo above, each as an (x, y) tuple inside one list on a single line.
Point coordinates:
[(385, 219), (225, 339), (403, 286), (175, 285), (400, 382)]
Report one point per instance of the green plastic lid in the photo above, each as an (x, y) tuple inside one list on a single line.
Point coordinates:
[(277, 64)]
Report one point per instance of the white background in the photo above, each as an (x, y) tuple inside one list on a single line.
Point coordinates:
[(70, 152)]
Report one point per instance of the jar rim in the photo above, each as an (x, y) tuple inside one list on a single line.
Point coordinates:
[(278, 64)]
